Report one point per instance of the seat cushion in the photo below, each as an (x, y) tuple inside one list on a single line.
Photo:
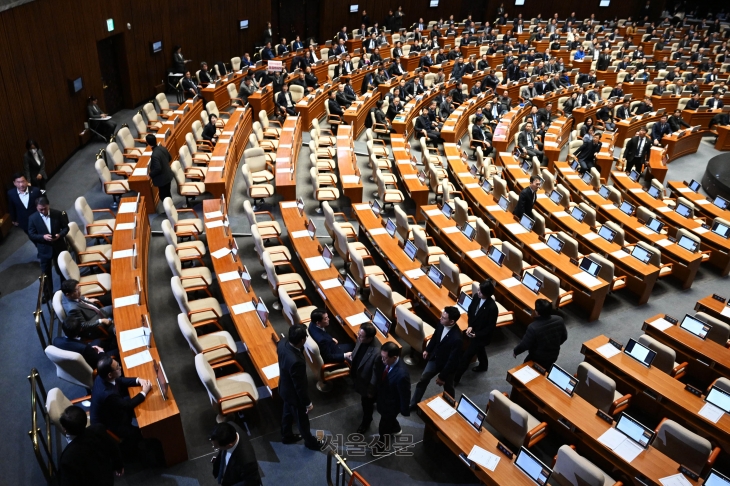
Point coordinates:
[(268, 229), (100, 229), (234, 384), (564, 299), (292, 288), (203, 272), (664, 271), (105, 250), (104, 279), (207, 303), (192, 188), (215, 339), (393, 197), (191, 249), (278, 253), (261, 190), (193, 225), (262, 176)]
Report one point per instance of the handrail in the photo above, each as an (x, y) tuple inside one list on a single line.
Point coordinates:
[(41, 443), (343, 474), (45, 332)]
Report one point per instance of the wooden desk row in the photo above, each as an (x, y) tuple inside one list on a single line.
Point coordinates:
[(457, 124), (719, 309), (507, 127), (224, 160), (287, 155), (702, 204), (407, 172), (350, 177), (358, 112), (311, 106)]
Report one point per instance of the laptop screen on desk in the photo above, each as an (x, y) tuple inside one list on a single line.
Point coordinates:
[(603, 192), (683, 210), (590, 267), (527, 222), (562, 379), (262, 311), (556, 197), (468, 231), (381, 322), (531, 465), (578, 213), (495, 255), (503, 203), (555, 243), (687, 243), (655, 225), (350, 287), (390, 227), (464, 301), (720, 202), (716, 479), (531, 282), (695, 326), (525, 166), (327, 255), (447, 210), (486, 186), (694, 185), (654, 192), (641, 254), (627, 208), (435, 275), (719, 398), (720, 229), (606, 233), (635, 431), (634, 176), (410, 250), (587, 178), (312, 229), (375, 205), (574, 165), (639, 352), (470, 412)]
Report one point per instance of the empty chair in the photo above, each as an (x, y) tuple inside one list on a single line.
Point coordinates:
[(321, 163), (620, 238), (462, 213), (330, 221), (322, 149), (262, 171), (102, 228), (114, 188), (326, 137), (198, 311), (385, 299), (125, 140), (687, 448), (413, 331), (599, 390), (518, 427), (572, 469), (87, 256), (292, 313), (379, 147), (216, 346), (193, 226), (427, 255), (551, 288), (655, 258), (71, 367), (688, 234), (193, 278), (268, 142), (614, 195), (141, 127), (324, 373), (513, 258), (388, 196), (484, 235), (539, 226), (377, 164), (166, 109), (513, 198), (402, 227), (230, 393), (192, 171), (269, 126), (361, 273), (644, 214), (186, 251), (323, 190), (722, 383), (666, 357), (448, 191), (548, 184), (189, 190), (196, 150), (570, 246), (297, 92), (595, 178), (565, 199), (92, 285), (153, 123), (499, 188), (114, 155), (590, 216), (719, 330), (267, 229), (343, 246), (278, 253), (257, 192), (292, 283), (454, 281), (607, 272)]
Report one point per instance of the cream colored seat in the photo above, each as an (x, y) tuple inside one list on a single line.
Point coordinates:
[(71, 367), (386, 195), (102, 228), (269, 126), (194, 226), (655, 258), (620, 238), (292, 313), (212, 108), (551, 288), (216, 346), (326, 137), (330, 221), (517, 426), (268, 142), (413, 331), (499, 188), (607, 272), (719, 330), (114, 155), (454, 280), (192, 171), (97, 256), (513, 258), (58, 305), (666, 357), (427, 255), (292, 283), (189, 190), (230, 393), (93, 285), (599, 390), (57, 403), (262, 171), (153, 123), (375, 145), (691, 450), (277, 253), (570, 246), (193, 278), (186, 251), (297, 92), (324, 190), (323, 164), (236, 63), (590, 214), (361, 273), (196, 150), (257, 192), (572, 469), (267, 229), (205, 310), (402, 225), (165, 107), (323, 148), (342, 245), (197, 131), (484, 236), (233, 99), (325, 373), (385, 299), (141, 127)]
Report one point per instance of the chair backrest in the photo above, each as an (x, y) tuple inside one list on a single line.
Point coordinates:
[(177, 171), (173, 260), (461, 215), (139, 125), (204, 117), (381, 184), (513, 199), (329, 218), (86, 215), (162, 102), (314, 177), (419, 239), (289, 308), (255, 159), (68, 266), (248, 211), (550, 285), (71, 367), (595, 387), (357, 266), (572, 469), (197, 130), (512, 257), (58, 305), (548, 184), (170, 211), (681, 445), (184, 157), (655, 254), (595, 178), (189, 333), (381, 296), (180, 295), (402, 226), (451, 274), (607, 270), (271, 274), (149, 112), (236, 63), (232, 92), (665, 356), (508, 418), (614, 195), (483, 235), (258, 242), (313, 356), (103, 172), (56, 404), (340, 241), (499, 188), (719, 332), (643, 213), (114, 154), (212, 109), (207, 377), (571, 245), (264, 119), (247, 178), (590, 217), (539, 226), (688, 203), (565, 200), (620, 238), (411, 328), (75, 238), (169, 233)]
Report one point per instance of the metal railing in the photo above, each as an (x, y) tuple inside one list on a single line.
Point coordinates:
[(42, 444), (343, 475), (43, 327)]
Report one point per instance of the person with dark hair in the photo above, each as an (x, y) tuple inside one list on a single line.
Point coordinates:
[(189, 86), (71, 341), (637, 150), (235, 464), (482, 320), (34, 165), (543, 337), (91, 458), (110, 401), (380, 117), (293, 389), (392, 385), (159, 168), (335, 109), (20, 201), (527, 199), (178, 60), (98, 120), (209, 131), (530, 144), (442, 355), (329, 348), (586, 153), (205, 76), (96, 320), (47, 228), (364, 356)]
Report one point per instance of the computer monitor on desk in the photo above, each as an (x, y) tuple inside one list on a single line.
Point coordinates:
[(532, 467), (634, 175), (683, 210), (556, 197), (495, 255), (719, 398), (527, 222), (694, 185), (262, 311), (562, 379), (503, 203), (720, 202), (578, 213), (635, 430), (245, 278), (627, 208), (590, 267), (532, 282), (655, 225), (436, 275), (654, 192), (603, 192), (486, 186), (721, 230), (469, 231), (639, 352), (411, 250), (687, 243), (555, 243), (464, 301), (606, 233), (447, 210), (350, 287), (695, 326), (161, 378), (470, 412), (714, 478), (311, 229), (327, 255)]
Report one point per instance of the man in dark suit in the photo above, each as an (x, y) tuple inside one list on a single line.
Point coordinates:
[(604, 60), (247, 89), (159, 168), (97, 321), (394, 108), (715, 103), (660, 88), (543, 337), (91, 458), (235, 464), (282, 49), (528, 143), (364, 357), (586, 153), (21, 201), (71, 341), (329, 348), (527, 199), (396, 69), (111, 405), (637, 151), (513, 70), (47, 228), (293, 389), (392, 385), (442, 354), (342, 34), (623, 112), (482, 136), (189, 86), (340, 48), (267, 53), (660, 129), (341, 98), (335, 109), (425, 127), (617, 91), (482, 320), (370, 43), (285, 101)]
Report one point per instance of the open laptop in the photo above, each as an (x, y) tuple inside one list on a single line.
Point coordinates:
[(716, 479), (470, 412), (587, 178), (525, 166), (503, 203), (635, 430), (578, 213), (627, 208), (436, 275), (350, 287), (381, 322), (486, 186), (262, 311), (556, 197), (603, 192), (555, 243), (464, 301), (410, 250), (469, 231), (532, 282), (590, 267), (683, 210), (574, 165), (654, 192), (327, 255), (245, 278), (161, 377), (639, 352), (390, 227), (495, 255), (312, 229), (532, 467), (694, 185), (375, 206), (719, 398), (720, 229), (634, 175), (687, 243), (607, 233), (527, 222), (447, 210), (641, 254), (695, 326), (720, 202), (655, 225), (562, 379)]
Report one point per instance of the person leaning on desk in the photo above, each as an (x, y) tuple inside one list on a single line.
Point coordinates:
[(543, 336)]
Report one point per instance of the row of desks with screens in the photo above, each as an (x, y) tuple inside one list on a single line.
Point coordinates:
[(227, 153), (715, 305), (287, 155)]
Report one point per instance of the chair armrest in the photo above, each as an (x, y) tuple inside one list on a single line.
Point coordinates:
[(679, 370), (96, 252), (620, 404), (343, 216), (188, 210), (97, 284), (287, 282), (268, 213), (191, 184), (217, 347), (569, 292), (195, 277), (188, 247), (411, 218), (104, 211), (302, 297), (713, 455), (287, 263), (119, 173), (102, 225), (536, 435), (207, 323), (200, 311)]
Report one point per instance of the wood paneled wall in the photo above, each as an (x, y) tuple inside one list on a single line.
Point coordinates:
[(45, 43)]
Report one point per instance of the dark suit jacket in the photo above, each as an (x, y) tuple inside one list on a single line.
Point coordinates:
[(393, 393), (335, 107), (90, 459), (188, 84), (543, 339), (715, 104), (327, 347), (86, 350), (525, 203), (658, 130), (266, 54), (48, 250), (482, 320), (342, 100), (396, 70), (522, 140), (160, 171), (282, 49), (445, 352), (19, 213), (112, 406), (242, 468), (587, 152), (292, 375), (205, 76), (362, 375), (282, 97), (393, 110), (31, 168), (478, 134), (632, 147)]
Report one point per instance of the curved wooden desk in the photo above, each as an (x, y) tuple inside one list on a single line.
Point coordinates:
[(403, 122), (628, 128), (350, 177), (507, 127), (717, 309), (219, 91), (287, 156), (311, 106), (408, 173), (457, 124), (679, 146), (702, 204), (227, 153), (359, 111)]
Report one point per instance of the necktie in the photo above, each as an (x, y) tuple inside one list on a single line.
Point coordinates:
[(641, 147), (221, 467), (385, 373), (529, 140)]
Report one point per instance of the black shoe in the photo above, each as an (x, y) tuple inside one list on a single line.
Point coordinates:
[(291, 439), (315, 446), (413, 408), (480, 369), (363, 427)]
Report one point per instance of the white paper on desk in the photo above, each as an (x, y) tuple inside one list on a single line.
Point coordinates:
[(512, 166), (213, 215), (572, 176), (676, 480), (619, 254), (451, 229), (138, 359), (701, 202), (608, 207), (510, 282), (608, 350), (361, 207), (472, 185), (241, 308), (560, 214), (442, 409), (414, 273), (224, 140), (664, 209), (410, 176), (271, 371), (484, 458), (493, 209), (539, 246), (214, 224), (433, 212), (587, 279), (526, 374), (612, 438), (725, 311), (700, 230), (664, 242), (351, 179), (221, 253), (124, 226), (590, 193), (299, 234), (125, 301), (618, 174), (225, 277), (215, 169), (636, 190), (464, 174), (218, 157), (316, 263), (134, 334), (377, 231), (130, 344), (402, 161), (567, 170), (542, 195), (590, 236), (684, 189), (139, 172), (123, 254), (515, 228), (227, 132), (127, 207), (475, 253), (330, 284), (286, 170), (711, 412), (661, 324), (357, 319), (288, 129), (288, 204), (645, 230), (628, 450)]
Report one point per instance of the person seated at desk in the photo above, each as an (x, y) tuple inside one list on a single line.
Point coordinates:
[(720, 88), (71, 341), (426, 62), (209, 131), (205, 76), (246, 60), (605, 114), (329, 348), (676, 122), (543, 337), (381, 76), (97, 321), (426, 128), (660, 88), (397, 50), (247, 89), (369, 44), (341, 97), (715, 103), (312, 56), (587, 125), (528, 92), (659, 129), (396, 69), (267, 53), (570, 104), (349, 91), (589, 78), (694, 102), (623, 112), (299, 62), (476, 90), (285, 102), (440, 56), (394, 108), (189, 86), (586, 153), (98, 120), (414, 88), (645, 106), (282, 48), (579, 54), (310, 79), (335, 109), (380, 117), (340, 49), (482, 136), (297, 44), (537, 119), (457, 95), (375, 56), (446, 108)]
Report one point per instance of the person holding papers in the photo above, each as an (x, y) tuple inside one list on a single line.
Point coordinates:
[(543, 337), (71, 341), (96, 320), (331, 350)]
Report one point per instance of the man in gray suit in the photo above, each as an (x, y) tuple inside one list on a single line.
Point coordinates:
[(366, 352), (97, 321)]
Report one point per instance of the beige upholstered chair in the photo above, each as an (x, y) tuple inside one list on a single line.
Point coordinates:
[(153, 122), (517, 426), (114, 154), (687, 448), (361, 273), (324, 190), (402, 225), (198, 311), (656, 259), (385, 194), (454, 280), (413, 331), (666, 357), (513, 258), (270, 126), (292, 283), (186, 251), (325, 373), (166, 109), (71, 367), (216, 346), (427, 255), (257, 192), (292, 313), (330, 221), (114, 188), (97, 256), (719, 332), (93, 285), (572, 469), (343, 246), (183, 227), (200, 153), (262, 171), (102, 228), (551, 288), (688, 234), (607, 272), (57, 403), (189, 190), (267, 229), (484, 235), (230, 393), (599, 390), (385, 299), (193, 278)]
